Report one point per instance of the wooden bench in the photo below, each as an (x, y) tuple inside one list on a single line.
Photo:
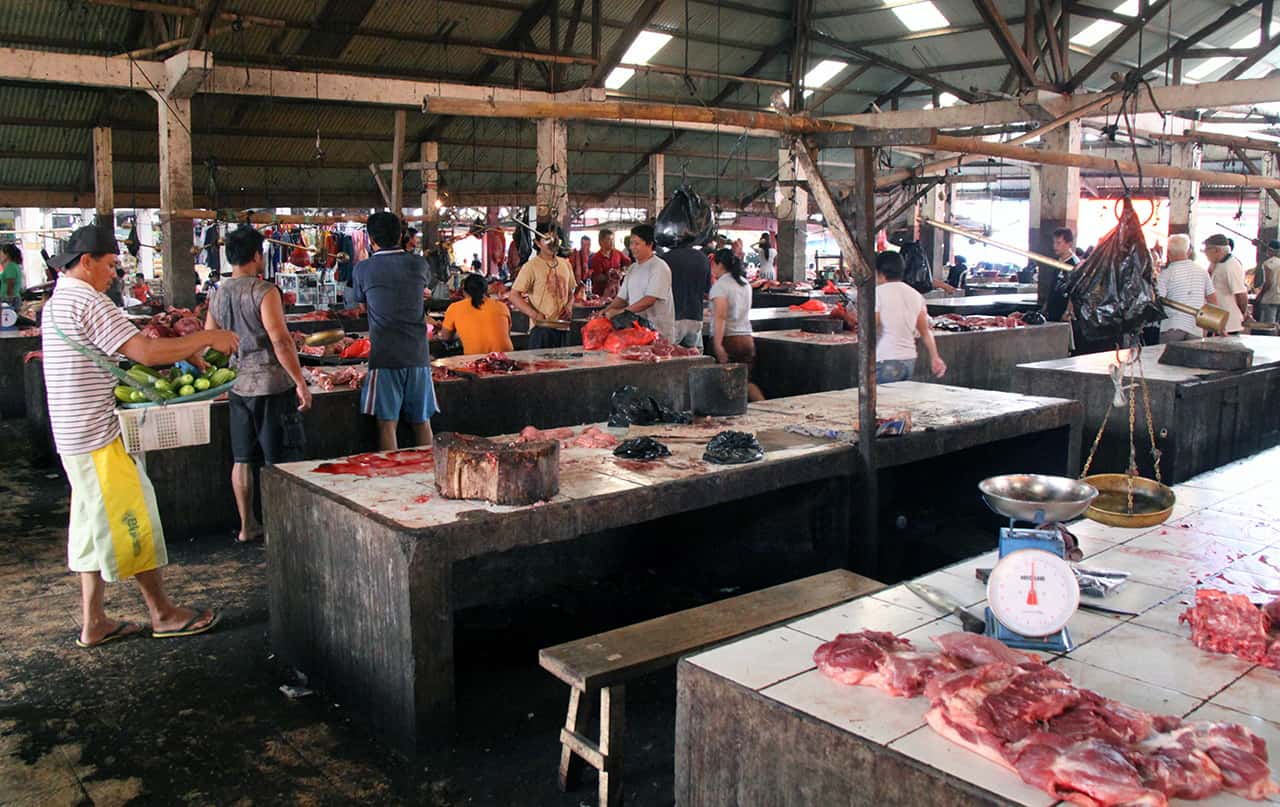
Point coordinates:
[(604, 662)]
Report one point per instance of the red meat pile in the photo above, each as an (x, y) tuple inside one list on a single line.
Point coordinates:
[(331, 378), (493, 364), (595, 332), (957, 322), (394, 463), (171, 323), (657, 351), (815, 306), (1231, 623), (591, 437), (1072, 743)]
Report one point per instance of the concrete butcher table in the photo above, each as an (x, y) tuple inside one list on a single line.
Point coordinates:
[(781, 299), (1202, 418), (365, 574), (762, 319), (979, 288), (13, 346), (756, 723), (795, 362), (983, 304), (296, 323)]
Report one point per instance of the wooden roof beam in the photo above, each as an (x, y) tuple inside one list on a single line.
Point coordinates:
[(1182, 45), (1118, 40), (1009, 46), (642, 18)]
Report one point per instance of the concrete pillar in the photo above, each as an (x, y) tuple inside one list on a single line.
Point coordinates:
[(1058, 194), (1268, 210), (176, 194), (103, 191), (553, 174), (397, 165), (429, 156), (146, 255), (933, 240), (657, 184), (792, 205), (1183, 192), (31, 218)]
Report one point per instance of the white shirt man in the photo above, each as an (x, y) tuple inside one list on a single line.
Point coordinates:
[(1228, 280), (1183, 281), (646, 288)]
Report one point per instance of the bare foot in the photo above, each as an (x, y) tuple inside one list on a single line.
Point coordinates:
[(181, 619), (107, 631), (251, 537)]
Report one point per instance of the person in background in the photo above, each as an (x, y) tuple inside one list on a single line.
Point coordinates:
[(544, 290), (740, 251), (1064, 249), (606, 266), (1267, 276), (409, 241), (690, 282), (1228, 280), (646, 288), (391, 283), (767, 257), (140, 290), (580, 261), (482, 323), (731, 339), (115, 531), (475, 262), (115, 292), (269, 389), (1183, 281), (957, 273), (11, 275), (900, 316)]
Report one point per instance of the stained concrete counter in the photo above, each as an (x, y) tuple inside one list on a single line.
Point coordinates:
[(796, 363), (998, 304), (366, 573), (1202, 418)]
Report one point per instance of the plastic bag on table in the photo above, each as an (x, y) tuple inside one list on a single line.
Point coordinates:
[(685, 221), (733, 448), (629, 406), (624, 319), (1114, 291), (595, 332), (641, 448), (918, 274), (624, 338)]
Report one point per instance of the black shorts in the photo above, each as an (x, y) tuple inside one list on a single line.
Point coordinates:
[(267, 429)]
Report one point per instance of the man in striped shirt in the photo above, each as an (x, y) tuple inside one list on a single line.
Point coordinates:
[(1183, 281), (115, 531)]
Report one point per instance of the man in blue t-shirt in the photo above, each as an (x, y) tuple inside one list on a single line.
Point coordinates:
[(390, 283)]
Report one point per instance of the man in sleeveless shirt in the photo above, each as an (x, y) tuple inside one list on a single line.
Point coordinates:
[(270, 390)]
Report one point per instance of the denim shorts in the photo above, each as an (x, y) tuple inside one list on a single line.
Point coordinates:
[(402, 392), (891, 370)]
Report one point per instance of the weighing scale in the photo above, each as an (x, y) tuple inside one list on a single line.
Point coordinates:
[(8, 317), (1032, 592)]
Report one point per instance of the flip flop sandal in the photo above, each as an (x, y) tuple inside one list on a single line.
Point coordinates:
[(187, 630), (121, 631)]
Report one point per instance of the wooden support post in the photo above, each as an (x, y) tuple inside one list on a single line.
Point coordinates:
[(430, 156), (1184, 192), (175, 198), (1268, 209), (657, 184), (103, 191), (613, 723), (382, 186), (571, 763), (867, 554), (935, 242), (792, 206), (553, 176), (397, 165), (1059, 197)]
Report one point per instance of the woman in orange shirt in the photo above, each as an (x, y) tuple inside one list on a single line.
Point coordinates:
[(482, 323)]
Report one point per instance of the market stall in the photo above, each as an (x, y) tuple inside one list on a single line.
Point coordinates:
[(794, 362), (982, 304), (383, 638), (14, 345)]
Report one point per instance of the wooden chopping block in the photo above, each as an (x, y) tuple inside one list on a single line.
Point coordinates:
[(469, 467), (822, 326), (1208, 354)]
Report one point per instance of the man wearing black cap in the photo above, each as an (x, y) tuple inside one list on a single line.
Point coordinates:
[(1228, 280), (115, 531)]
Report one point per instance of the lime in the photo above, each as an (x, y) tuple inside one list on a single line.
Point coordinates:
[(202, 384), (186, 379), (187, 389)]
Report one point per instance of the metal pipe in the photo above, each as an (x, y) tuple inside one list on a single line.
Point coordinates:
[(1026, 253)]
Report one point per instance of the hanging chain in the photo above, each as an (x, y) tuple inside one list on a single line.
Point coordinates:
[(1088, 463), (1151, 430), (1133, 450)]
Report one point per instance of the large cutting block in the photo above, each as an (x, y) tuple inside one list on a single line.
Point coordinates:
[(1208, 354), (469, 467)]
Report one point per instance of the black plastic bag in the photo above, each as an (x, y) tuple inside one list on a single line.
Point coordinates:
[(733, 448), (918, 274), (437, 266), (1033, 318), (625, 319), (641, 448), (1114, 291), (685, 221), (631, 407), (523, 239)]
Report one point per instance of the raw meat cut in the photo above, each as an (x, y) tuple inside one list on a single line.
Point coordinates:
[(1228, 623), (394, 463), (881, 660), (1090, 772), (592, 437), (493, 364), (529, 433), (975, 649), (1196, 760), (330, 378)]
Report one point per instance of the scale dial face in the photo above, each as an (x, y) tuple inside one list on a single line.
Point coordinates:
[(8, 317), (1033, 592)]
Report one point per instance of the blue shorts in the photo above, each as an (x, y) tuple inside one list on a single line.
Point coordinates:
[(891, 370), (401, 393)]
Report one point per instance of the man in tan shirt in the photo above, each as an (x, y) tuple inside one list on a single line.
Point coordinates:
[(544, 291)]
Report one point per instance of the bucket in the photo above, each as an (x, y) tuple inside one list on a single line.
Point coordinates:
[(718, 389)]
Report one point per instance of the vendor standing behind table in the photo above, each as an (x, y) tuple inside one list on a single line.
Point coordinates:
[(1064, 249), (690, 282), (1228, 280), (391, 283), (1267, 275), (731, 339), (482, 323), (646, 288), (270, 389), (900, 316), (768, 255), (11, 275), (1183, 281), (115, 531), (606, 266), (544, 290)]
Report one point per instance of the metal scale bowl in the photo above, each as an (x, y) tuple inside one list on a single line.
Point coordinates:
[(1032, 591)]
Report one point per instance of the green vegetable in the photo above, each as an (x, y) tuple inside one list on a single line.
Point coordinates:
[(202, 384), (222, 376), (163, 386), (186, 379), (139, 373), (137, 396), (217, 358), (167, 393), (187, 389), (124, 393)]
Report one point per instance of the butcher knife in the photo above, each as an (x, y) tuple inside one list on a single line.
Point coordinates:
[(948, 605)]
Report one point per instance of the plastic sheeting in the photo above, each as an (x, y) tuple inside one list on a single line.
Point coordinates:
[(1113, 291), (685, 221)]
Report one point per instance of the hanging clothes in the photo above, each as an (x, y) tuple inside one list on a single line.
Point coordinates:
[(211, 256)]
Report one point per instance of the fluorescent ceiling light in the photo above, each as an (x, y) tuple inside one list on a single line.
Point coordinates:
[(922, 16), (646, 46), (1099, 30)]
